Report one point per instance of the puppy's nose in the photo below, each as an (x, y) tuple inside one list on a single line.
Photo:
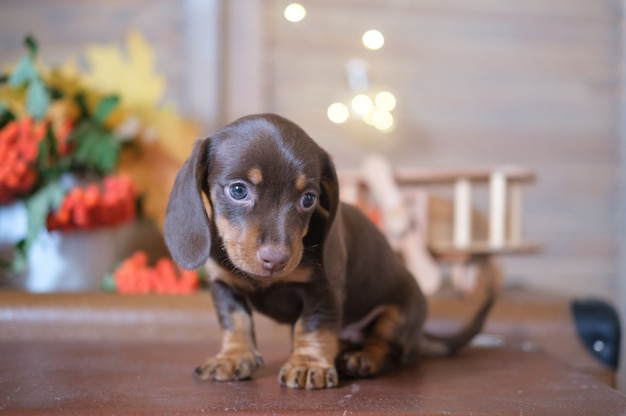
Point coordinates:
[(274, 256)]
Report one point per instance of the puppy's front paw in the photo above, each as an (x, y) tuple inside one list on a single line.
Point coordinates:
[(230, 366), (307, 373)]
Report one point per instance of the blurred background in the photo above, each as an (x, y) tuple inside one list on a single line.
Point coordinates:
[(477, 83)]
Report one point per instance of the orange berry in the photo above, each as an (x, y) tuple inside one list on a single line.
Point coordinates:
[(92, 195), (9, 131), (139, 258), (38, 131), (80, 217), (20, 167)]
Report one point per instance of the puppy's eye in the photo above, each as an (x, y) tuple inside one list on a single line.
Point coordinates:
[(308, 200), (238, 191)]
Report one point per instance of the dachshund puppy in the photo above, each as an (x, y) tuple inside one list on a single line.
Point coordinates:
[(276, 239)]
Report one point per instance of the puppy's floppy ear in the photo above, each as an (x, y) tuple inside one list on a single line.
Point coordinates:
[(334, 249), (187, 227)]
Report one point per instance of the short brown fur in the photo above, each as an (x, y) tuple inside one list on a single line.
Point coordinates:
[(238, 357), (279, 241), (312, 362)]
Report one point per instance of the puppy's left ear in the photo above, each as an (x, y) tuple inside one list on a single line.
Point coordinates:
[(334, 249), (187, 228)]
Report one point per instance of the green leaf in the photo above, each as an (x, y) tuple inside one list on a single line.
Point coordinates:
[(24, 73), (5, 115), (31, 45), (106, 107), (108, 283), (56, 93), (97, 149), (38, 205), (50, 163), (20, 259), (37, 99), (45, 199), (81, 102), (47, 151)]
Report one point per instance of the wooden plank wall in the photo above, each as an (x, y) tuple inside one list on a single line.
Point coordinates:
[(478, 83)]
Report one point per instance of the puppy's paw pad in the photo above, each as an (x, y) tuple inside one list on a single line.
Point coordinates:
[(360, 364), (229, 367), (311, 375)]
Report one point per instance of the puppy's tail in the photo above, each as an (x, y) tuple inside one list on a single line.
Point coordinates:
[(431, 345)]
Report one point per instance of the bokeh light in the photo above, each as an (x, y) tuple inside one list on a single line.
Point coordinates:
[(373, 39), (385, 100), (338, 113), (295, 12), (362, 104)]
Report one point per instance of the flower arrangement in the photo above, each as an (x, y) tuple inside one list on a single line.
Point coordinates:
[(78, 148)]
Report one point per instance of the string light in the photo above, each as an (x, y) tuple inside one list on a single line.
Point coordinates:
[(338, 113), (373, 39), (362, 104), (382, 120), (385, 100), (376, 112), (295, 12)]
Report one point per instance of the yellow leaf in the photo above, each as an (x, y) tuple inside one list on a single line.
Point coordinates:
[(175, 134), (14, 99), (153, 170), (66, 78), (131, 75)]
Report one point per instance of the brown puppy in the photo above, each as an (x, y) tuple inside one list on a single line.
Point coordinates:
[(276, 238)]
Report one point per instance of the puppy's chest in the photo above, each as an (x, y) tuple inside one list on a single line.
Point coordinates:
[(282, 302)]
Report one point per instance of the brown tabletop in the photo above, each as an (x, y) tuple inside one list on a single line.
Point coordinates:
[(107, 354), (89, 377)]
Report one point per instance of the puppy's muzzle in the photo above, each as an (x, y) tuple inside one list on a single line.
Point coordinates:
[(273, 257)]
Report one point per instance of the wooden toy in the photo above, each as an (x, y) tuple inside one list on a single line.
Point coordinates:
[(432, 219)]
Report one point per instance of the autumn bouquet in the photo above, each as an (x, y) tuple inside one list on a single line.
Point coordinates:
[(78, 148)]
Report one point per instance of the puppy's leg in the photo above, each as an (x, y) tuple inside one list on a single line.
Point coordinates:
[(238, 357), (312, 362), (378, 345)]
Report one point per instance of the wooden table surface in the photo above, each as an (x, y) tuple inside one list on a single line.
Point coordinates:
[(121, 378), (98, 354)]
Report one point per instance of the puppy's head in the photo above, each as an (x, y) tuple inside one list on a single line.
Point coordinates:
[(265, 178)]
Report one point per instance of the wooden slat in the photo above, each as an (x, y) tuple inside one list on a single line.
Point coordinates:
[(451, 251), (430, 176)]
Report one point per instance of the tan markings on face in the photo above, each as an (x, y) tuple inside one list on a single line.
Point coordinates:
[(241, 244), (299, 275), (255, 175), (300, 182), (297, 249), (217, 272), (319, 346)]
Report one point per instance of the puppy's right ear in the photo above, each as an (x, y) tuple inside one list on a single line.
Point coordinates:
[(187, 227)]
